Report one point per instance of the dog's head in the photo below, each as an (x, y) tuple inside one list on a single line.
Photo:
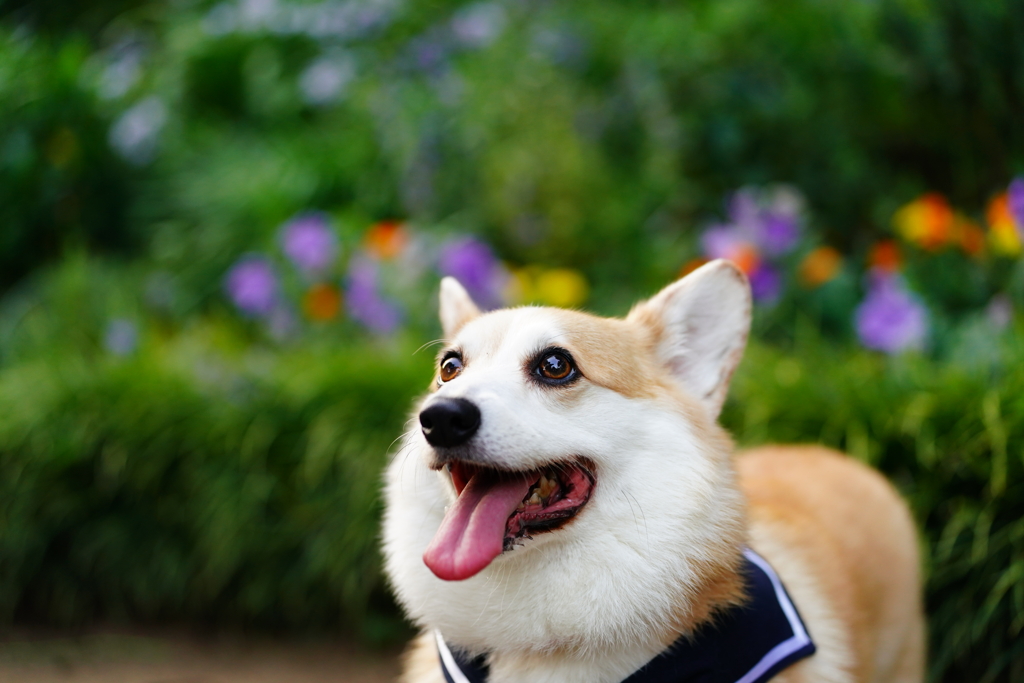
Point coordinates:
[(573, 458)]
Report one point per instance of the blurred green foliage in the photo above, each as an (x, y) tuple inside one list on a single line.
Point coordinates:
[(195, 470), (200, 479), (593, 136), (61, 186)]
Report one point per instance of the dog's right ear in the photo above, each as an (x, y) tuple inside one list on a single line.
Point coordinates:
[(700, 325), (457, 308)]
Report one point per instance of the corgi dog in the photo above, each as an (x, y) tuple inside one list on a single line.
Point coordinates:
[(568, 510)]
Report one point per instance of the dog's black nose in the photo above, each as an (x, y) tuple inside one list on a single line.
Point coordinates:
[(450, 422)]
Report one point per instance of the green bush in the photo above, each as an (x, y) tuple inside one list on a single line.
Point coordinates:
[(218, 487), (61, 186)]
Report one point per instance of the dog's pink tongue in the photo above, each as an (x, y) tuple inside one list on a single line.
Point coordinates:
[(473, 530)]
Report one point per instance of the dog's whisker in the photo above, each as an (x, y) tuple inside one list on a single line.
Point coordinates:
[(398, 438), (647, 534), (520, 590), (433, 342)]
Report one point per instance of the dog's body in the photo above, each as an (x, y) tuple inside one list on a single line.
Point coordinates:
[(588, 510)]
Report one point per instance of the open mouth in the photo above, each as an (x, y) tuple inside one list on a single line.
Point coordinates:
[(495, 509)]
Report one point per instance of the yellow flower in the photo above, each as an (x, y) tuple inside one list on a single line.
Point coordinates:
[(927, 221), (1002, 228), (562, 287)]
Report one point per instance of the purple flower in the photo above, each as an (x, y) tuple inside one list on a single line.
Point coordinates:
[(478, 25), (472, 263), (428, 55), (561, 45), (722, 241), (766, 284), (744, 210), (122, 337), (252, 285), (890, 318), (365, 304), (136, 134), (325, 80), (1015, 198), (309, 242), (781, 221), (780, 232), (767, 219)]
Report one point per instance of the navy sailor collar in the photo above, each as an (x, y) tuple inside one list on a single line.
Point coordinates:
[(747, 644)]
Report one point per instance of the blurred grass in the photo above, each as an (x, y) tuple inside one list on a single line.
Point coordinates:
[(193, 482)]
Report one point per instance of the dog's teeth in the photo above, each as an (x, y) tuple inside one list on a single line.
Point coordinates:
[(547, 485), (534, 499)]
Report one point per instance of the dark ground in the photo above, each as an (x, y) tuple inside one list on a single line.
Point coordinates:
[(129, 657)]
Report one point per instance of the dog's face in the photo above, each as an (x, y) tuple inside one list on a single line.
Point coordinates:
[(568, 485)]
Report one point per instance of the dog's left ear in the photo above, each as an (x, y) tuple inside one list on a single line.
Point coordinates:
[(457, 308), (700, 325)]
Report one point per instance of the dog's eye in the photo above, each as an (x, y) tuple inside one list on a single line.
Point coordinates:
[(451, 367), (555, 366)]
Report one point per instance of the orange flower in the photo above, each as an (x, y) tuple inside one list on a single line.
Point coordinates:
[(885, 255), (927, 221), (969, 236), (322, 302), (820, 266), (386, 239), (690, 266), (746, 258), (1002, 228)]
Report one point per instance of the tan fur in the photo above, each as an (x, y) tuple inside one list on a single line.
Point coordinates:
[(843, 541), (420, 662), (605, 350)]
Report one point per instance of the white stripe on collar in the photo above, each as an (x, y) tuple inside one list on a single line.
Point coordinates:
[(449, 661), (787, 647)]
